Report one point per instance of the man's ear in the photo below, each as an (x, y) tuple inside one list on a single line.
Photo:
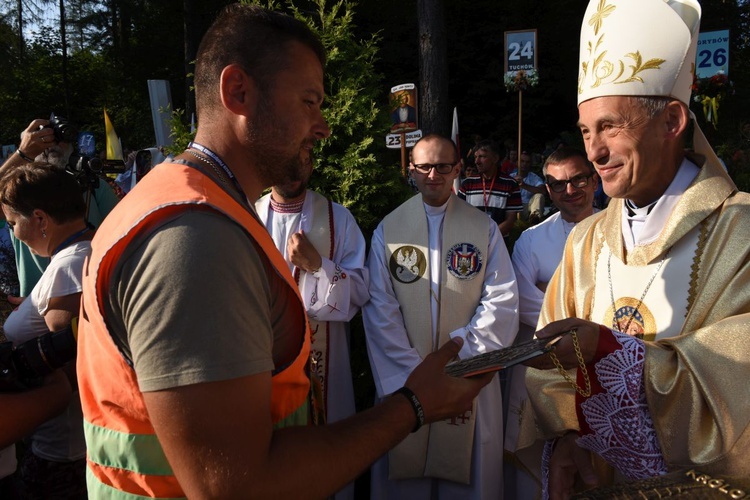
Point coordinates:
[(239, 92), (676, 118)]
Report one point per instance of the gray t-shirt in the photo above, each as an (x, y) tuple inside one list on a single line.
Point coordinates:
[(194, 301)]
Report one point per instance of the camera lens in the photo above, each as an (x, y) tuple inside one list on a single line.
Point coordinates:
[(64, 131), (40, 356)]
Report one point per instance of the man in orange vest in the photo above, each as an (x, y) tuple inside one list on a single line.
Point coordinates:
[(194, 344)]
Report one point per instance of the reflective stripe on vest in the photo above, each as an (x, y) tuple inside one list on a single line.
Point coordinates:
[(100, 491), (125, 458)]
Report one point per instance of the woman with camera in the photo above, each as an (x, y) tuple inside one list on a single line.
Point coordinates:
[(44, 208)]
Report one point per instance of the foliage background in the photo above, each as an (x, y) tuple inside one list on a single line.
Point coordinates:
[(114, 46)]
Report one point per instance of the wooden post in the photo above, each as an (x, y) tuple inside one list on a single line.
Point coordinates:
[(520, 112), (403, 153)]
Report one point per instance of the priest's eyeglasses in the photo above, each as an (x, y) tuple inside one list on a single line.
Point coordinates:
[(442, 168), (579, 181)]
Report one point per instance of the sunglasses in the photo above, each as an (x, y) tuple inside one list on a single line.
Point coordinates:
[(578, 181)]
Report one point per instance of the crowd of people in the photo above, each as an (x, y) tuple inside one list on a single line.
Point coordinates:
[(212, 321)]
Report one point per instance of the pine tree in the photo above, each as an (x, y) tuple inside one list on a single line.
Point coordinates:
[(350, 166)]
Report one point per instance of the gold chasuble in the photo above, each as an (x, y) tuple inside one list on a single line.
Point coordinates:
[(695, 319), (442, 449), (321, 235)]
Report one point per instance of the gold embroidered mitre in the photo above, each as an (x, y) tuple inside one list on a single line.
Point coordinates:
[(638, 48)]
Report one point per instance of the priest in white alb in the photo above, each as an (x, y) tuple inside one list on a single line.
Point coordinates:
[(571, 183), (325, 250), (439, 269)]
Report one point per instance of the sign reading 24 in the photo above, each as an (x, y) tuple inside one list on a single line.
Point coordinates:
[(520, 50)]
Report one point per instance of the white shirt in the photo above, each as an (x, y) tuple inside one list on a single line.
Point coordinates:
[(60, 438), (536, 255)]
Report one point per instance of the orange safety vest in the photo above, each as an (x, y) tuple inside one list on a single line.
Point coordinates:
[(125, 459)]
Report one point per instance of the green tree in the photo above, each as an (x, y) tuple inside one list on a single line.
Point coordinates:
[(350, 166)]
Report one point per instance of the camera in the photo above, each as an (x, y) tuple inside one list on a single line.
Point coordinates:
[(86, 170), (25, 366), (64, 131)]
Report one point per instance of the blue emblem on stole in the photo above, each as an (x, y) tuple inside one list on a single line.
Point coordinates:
[(464, 261)]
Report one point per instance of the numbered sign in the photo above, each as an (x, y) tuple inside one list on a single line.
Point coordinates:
[(713, 54), (520, 50), (86, 144), (393, 141)]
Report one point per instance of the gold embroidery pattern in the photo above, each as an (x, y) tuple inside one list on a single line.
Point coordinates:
[(601, 69), (695, 267), (602, 11)]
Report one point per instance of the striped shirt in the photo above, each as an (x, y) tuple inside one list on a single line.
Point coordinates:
[(495, 197)]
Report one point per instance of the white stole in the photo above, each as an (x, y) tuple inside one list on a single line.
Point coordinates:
[(442, 449), (320, 231)]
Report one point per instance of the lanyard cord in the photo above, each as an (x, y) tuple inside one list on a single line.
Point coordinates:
[(203, 149), (70, 239), (484, 190)]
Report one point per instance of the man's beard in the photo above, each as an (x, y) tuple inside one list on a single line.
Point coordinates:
[(273, 162), (56, 155), (291, 190)]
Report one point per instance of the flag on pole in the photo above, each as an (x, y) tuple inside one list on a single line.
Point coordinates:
[(114, 149), (454, 138)]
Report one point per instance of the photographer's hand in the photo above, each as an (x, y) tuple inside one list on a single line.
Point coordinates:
[(34, 141), (36, 138)]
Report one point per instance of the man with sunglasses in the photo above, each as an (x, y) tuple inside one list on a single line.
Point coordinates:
[(438, 270), (571, 182)]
